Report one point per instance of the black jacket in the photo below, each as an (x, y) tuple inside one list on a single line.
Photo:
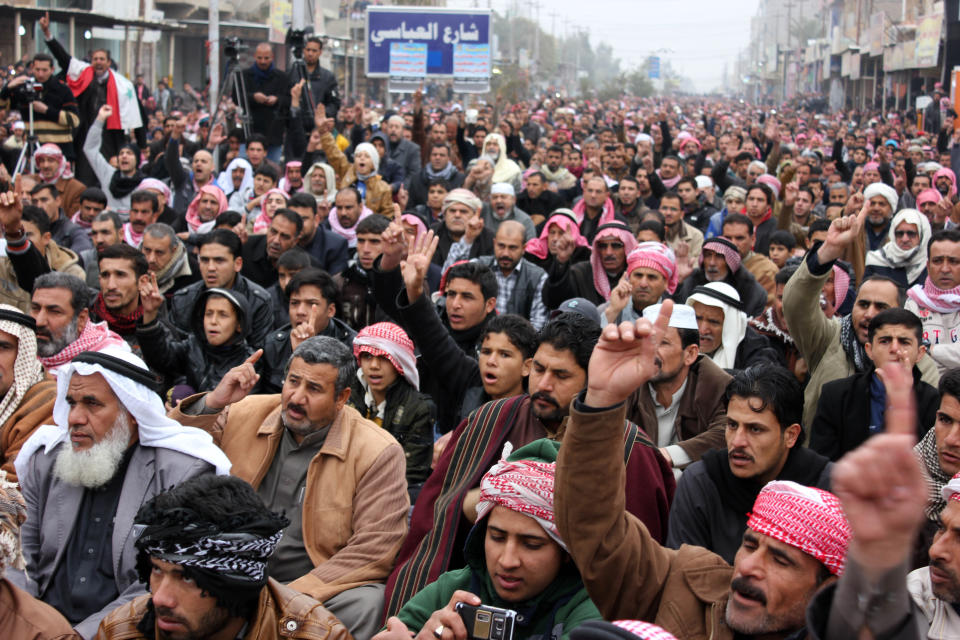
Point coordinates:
[(265, 120), (323, 90), (276, 352), (417, 186), (62, 114), (842, 421), (408, 417), (256, 264), (482, 246), (193, 360), (711, 505), (261, 308)]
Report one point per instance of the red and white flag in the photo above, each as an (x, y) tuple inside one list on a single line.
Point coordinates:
[(120, 94)]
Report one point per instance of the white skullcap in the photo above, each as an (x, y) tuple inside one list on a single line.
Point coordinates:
[(503, 187), (703, 182), (682, 317)]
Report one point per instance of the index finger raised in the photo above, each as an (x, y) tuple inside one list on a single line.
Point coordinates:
[(254, 357), (901, 416)]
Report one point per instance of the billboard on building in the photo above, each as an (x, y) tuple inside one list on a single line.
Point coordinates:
[(441, 29)]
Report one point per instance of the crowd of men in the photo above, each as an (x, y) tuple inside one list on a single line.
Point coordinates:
[(637, 368)]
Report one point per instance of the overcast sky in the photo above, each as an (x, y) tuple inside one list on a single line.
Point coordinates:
[(703, 34)]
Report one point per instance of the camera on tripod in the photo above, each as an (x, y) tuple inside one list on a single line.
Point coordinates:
[(296, 39), (232, 48), (30, 90)]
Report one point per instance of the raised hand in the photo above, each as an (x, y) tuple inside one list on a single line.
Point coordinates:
[(11, 208), (105, 112), (563, 248), (619, 298), (235, 386), (324, 125), (394, 246), (624, 358), (295, 92), (882, 484), (474, 229), (217, 136), (685, 264), (418, 260), (790, 193), (842, 232), (150, 297), (306, 330), (45, 24)]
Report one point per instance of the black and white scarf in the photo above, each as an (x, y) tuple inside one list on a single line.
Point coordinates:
[(854, 350)]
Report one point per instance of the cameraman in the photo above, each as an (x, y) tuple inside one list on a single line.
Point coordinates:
[(55, 112), (321, 83)]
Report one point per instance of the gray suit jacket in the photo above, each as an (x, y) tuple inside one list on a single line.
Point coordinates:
[(407, 155), (53, 506)]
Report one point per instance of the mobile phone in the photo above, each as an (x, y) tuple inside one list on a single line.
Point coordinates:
[(487, 623)]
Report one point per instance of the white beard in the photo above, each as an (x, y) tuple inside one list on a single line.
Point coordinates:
[(94, 467)]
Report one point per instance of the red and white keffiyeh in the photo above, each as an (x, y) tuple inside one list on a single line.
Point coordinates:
[(644, 630), (807, 518), (524, 486), (725, 248), (930, 297), (616, 231), (389, 341), (657, 256), (96, 336), (51, 150)]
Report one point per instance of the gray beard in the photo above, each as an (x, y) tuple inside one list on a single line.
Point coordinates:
[(56, 344), (94, 467)]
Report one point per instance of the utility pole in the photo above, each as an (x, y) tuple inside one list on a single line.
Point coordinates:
[(213, 35), (536, 37)]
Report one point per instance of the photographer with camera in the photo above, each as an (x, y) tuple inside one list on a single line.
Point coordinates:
[(519, 581), (55, 114), (321, 84)]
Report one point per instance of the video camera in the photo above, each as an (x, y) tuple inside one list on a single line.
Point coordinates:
[(30, 90), (232, 48), (296, 39)]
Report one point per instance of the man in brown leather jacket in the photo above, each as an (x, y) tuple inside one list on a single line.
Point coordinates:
[(203, 552)]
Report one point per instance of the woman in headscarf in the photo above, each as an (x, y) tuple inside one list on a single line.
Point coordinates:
[(515, 558), (904, 256), (272, 200)]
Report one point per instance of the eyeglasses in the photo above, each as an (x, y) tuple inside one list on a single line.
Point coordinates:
[(603, 246), (905, 233)]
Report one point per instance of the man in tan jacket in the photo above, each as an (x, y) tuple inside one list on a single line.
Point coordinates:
[(339, 478), (797, 539)]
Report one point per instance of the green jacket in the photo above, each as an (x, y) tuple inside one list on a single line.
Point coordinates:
[(551, 615)]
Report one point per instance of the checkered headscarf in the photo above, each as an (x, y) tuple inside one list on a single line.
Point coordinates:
[(725, 248), (388, 340), (524, 486), (656, 256), (807, 518), (644, 630)]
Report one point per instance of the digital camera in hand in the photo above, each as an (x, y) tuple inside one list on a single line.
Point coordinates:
[(486, 622)]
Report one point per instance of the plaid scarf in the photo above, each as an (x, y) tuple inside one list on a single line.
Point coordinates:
[(936, 478), (930, 297), (848, 340)]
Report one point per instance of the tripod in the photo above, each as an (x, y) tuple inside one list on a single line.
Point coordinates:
[(29, 150), (301, 68), (233, 83)]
